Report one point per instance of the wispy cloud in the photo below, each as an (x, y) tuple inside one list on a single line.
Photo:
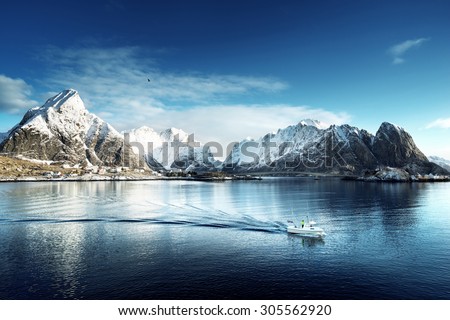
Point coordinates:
[(96, 71), (113, 83), (443, 123), (14, 95), (397, 51)]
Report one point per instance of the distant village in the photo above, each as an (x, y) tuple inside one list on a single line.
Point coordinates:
[(108, 171), (126, 173)]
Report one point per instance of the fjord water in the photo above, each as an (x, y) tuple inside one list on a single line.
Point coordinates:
[(197, 240)]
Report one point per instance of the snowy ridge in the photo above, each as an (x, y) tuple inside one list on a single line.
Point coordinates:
[(285, 141), (168, 148), (340, 149), (66, 114), (63, 130), (313, 123), (63, 98), (294, 139)]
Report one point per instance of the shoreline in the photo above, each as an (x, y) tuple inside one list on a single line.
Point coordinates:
[(207, 179), (369, 180), (220, 178), (99, 178)]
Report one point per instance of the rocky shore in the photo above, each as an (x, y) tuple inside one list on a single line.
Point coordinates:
[(389, 174)]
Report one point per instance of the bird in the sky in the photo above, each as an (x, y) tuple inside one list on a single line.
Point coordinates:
[(148, 80)]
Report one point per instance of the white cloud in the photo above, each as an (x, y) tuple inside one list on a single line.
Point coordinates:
[(439, 123), (398, 60), (14, 95), (108, 73), (113, 84), (397, 51)]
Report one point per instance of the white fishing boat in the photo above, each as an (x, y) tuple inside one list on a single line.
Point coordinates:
[(307, 229)]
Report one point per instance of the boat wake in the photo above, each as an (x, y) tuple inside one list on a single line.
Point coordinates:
[(216, 218), (170, 214)]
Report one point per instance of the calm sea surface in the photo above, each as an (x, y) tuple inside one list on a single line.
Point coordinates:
[(197, 240)]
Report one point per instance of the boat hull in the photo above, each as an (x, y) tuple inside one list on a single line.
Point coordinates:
[(307, 231)]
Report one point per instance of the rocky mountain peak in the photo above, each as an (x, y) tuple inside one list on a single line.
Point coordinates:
[(396, 146), (337, 149), (170, 133), (312, 123), (67, 103), (62, 129), (387, 128), (68, 97), (144, 129)]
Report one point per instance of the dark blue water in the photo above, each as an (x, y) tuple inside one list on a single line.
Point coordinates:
[(181, 239)]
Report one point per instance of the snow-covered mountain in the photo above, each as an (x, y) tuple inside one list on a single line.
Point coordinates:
[(171, 148), (313, 123), (63, 130), (308, 146), (444, 163)]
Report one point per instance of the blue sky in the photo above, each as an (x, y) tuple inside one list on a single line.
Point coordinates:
[(231, 69)]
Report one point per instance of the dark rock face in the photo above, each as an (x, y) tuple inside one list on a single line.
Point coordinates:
[(395, 147), (350, 148), (337, 149), (63, 130)]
